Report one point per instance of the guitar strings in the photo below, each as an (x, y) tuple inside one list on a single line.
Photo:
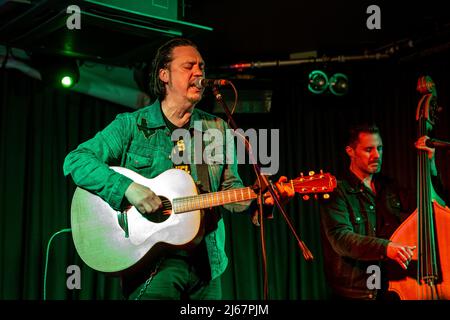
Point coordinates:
[(219, 197), (182, 204)]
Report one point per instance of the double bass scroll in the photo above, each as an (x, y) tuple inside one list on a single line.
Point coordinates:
[(428, 227)]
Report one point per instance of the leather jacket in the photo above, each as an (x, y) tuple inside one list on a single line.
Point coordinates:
[(355, 226)]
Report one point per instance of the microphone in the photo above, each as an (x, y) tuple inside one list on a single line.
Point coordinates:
[(204, 83), (435, 143)]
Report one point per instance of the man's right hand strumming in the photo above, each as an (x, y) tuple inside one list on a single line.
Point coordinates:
[(142, 198)]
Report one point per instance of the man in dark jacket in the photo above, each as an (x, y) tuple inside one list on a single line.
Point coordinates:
[(363, 212)]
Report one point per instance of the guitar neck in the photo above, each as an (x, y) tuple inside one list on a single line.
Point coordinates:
[(213, 199), (319, 183)]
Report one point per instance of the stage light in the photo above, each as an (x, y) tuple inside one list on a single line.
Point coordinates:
[(60, 72), (67, 81), (339, 84), (318, 82), (65, 73)]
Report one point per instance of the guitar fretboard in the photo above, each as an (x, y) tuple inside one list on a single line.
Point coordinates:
[(213, 199)]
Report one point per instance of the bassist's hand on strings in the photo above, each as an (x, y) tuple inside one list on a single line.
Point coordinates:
[(142, 198), (400, 253)]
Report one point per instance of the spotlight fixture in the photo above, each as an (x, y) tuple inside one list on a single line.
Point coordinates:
[(318, 82), (66, 74), (339, 84), (67, 81), (57, 71)]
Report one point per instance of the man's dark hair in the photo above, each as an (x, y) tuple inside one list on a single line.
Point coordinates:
[(354, 131), (162, 60)]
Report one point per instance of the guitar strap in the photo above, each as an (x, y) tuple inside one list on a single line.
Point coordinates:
[(203, 177)]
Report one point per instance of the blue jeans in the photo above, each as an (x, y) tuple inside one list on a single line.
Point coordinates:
[(177, 279)]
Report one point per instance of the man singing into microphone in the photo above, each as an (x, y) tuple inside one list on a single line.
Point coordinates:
[(141, 141)]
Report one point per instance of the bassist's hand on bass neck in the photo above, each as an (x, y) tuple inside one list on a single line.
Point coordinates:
[(421, 144)]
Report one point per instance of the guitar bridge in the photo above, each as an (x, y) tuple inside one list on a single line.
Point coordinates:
[(123, 222)]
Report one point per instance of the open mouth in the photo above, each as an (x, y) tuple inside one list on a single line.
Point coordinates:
[(192, 85), (194, 88)]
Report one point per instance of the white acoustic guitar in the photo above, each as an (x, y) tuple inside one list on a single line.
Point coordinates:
[(114, 242)]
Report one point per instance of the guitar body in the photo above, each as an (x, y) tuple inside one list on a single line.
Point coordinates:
[(102, 242), (115, 242)]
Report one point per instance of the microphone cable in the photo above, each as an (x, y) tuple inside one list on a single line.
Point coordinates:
[(235, 98), (46, 258)]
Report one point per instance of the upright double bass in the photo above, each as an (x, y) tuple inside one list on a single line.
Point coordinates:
[(428, 227)]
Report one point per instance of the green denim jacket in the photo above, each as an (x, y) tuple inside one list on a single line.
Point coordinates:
[(141, 141)]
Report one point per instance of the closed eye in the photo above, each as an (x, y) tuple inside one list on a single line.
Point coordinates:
[(189, 66)]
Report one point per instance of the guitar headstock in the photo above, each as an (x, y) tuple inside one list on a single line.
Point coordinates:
[(314, 183)]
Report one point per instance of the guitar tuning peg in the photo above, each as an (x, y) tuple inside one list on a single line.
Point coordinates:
[(321, 171), (305, 197), (316, 197), (326, 196), (301, 174), (311, 173)]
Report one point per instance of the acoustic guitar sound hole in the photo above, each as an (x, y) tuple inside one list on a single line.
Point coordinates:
[(162, 214)]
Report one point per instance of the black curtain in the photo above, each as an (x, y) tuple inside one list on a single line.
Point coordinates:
[(40, 125)]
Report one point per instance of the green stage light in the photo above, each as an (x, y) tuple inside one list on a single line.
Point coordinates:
[(57, 71), (318, 82), (66, 74), (339, 84), (67, 81)]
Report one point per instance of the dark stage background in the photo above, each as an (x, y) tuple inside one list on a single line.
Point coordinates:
[(40, 125)]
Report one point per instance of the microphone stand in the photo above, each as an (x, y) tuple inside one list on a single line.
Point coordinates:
[(263, 181)]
